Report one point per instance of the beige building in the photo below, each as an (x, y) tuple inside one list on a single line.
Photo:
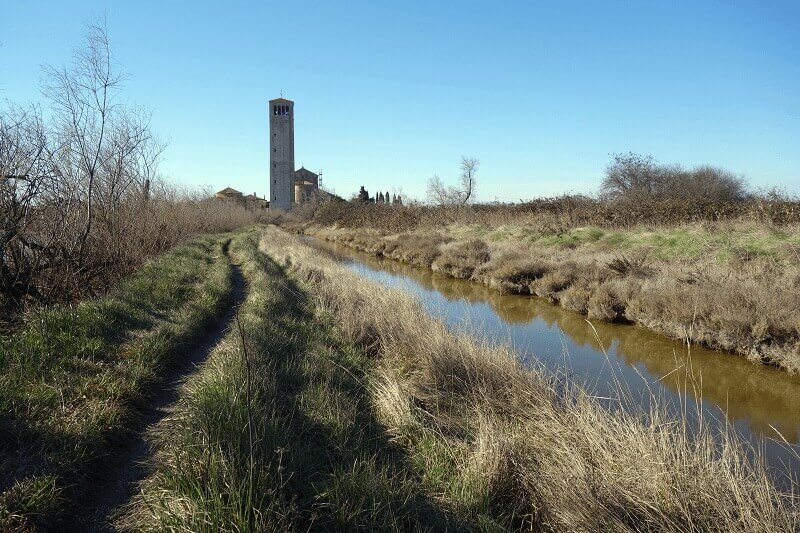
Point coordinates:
[(306, 185)]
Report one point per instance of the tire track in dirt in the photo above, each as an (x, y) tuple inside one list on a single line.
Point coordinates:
[(133, 467)]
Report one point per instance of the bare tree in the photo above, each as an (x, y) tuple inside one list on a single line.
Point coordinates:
[(82, 95), (82, 202), (441, 194)]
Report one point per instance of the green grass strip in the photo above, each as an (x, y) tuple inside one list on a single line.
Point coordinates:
[(72, 380)]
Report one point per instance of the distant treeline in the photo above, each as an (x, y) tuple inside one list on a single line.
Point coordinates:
[(636, 191), (563, 212)]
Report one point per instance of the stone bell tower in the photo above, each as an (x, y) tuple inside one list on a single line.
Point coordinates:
[(281, 153)]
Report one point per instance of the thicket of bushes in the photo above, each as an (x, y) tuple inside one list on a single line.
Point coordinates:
[(82, 202), (631, 176), (561, 213), (636, 191)]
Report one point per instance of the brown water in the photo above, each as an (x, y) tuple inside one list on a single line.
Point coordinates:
[(760, 402)]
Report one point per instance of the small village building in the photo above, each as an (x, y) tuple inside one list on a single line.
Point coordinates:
[(251, 201), (229, 193), (306, 185), (303, 174)]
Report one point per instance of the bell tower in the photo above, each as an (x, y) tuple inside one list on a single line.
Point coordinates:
[(281, 153)]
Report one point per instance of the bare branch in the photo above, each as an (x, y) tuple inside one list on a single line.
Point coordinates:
[(440, 194)]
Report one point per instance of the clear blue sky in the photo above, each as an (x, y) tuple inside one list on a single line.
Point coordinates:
[(389, 93)]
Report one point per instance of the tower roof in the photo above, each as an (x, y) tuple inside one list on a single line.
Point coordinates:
[(281, 100)]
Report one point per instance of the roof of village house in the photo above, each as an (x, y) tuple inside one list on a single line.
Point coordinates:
[(303, 171), (228, 191)]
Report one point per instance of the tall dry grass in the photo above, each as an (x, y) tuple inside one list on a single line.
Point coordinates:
[(513, 448)]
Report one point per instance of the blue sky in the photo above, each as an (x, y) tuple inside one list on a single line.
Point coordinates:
[(389, 93)]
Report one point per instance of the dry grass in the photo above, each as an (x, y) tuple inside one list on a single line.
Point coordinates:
[(511, 271), (507, 447), (748, 304), (417, 249), (460, 259)]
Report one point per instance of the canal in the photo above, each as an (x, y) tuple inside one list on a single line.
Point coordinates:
[(761, 403)]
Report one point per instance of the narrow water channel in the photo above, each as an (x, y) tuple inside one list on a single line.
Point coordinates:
[(760, 402)]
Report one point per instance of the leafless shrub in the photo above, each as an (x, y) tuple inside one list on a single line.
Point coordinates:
[(81, 199), (576, 298), (457, 195), (417, 249), (605, 305), (553, 216), (556, 280)]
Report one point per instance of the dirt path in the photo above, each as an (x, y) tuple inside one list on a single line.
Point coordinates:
[(122, 485)]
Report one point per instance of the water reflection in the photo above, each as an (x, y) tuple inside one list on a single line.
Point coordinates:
[(758, 400)]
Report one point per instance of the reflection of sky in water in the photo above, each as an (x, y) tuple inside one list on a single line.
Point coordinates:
[(639, 361)]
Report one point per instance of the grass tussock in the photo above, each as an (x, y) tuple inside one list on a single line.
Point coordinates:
[(505, 447), (460, 259), (745, 303), (511, 271), (72, 380), (421, 250)]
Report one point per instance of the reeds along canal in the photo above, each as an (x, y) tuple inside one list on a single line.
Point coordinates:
[(761, 403)]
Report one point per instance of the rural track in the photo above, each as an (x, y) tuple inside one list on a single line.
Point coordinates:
[(122, 484)]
